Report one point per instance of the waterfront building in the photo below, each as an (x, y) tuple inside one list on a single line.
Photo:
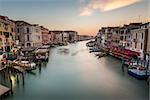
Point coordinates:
[(36, 35), (28, 35), (72, 35), (84, 37), (133, 37), (59, 36), (65, 37), (45, 36), (98, 39), (125, 34), (115, 38), (56, 36), (101, 38), (51, 37), (141, 39), (7, 34), (104, 37), (23, 34)]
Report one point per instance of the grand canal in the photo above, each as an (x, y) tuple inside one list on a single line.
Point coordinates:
[(78, 74)]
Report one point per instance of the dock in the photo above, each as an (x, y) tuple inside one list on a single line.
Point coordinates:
[(19, 69), (4, 91), (2, 68)]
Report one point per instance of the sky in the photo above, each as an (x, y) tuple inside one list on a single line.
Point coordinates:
[(83, 16)]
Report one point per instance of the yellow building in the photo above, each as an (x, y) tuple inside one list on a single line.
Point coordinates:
[(7, 34)]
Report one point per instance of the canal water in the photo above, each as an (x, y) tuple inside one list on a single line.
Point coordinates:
[(74, 73)]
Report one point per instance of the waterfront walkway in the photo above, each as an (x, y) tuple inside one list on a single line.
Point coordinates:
[(4, 90)]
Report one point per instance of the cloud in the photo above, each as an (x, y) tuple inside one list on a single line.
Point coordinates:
[(86, 12), (87, 8)]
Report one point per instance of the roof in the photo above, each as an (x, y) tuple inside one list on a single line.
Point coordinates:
[(22, 23), (43, 28), (145, 23), (68, 31)]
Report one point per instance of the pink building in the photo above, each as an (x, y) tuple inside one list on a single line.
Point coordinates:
[(45, 36)]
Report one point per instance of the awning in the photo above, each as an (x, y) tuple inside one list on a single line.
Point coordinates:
[(40, 51)]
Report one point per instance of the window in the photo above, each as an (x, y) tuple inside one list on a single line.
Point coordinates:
[(28, 38), (39, 37), (22, 44), (121, 37), (1, 33), (135, 45), (17, 30), (27, 30), (141, 46), (28, 44), (36, 30), (128, 44), (136, 35), (6, 34), (125, 38), (18, 38), (142, 35), (12, 30)]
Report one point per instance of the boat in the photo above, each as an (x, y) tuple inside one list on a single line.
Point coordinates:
[(138, 72), (90, 44), (130, 63), (93, 49), (25, 64), (42, 54)]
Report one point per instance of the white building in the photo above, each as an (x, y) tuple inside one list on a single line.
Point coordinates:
[(28, 35), (23, 34), (141, 39)]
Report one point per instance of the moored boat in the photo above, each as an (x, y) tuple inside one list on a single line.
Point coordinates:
[(139, 72)]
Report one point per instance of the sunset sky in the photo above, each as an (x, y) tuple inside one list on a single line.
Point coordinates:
[(84, 16)]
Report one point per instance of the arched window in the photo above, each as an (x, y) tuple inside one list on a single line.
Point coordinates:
[(28, 44), (27, 30)]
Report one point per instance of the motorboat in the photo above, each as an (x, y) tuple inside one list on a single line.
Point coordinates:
[(139, 72)]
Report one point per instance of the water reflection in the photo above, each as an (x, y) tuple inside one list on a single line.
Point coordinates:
[(74, 73), (76, 52), (63, 51)]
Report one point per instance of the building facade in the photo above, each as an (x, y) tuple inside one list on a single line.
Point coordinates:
[(36, 35), (23, 34), (28, 35), (72, 35), (141, 39), (45, 36), (7, 34), (134, 37)]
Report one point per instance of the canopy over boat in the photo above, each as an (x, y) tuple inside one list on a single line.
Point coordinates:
[(41, 51)]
